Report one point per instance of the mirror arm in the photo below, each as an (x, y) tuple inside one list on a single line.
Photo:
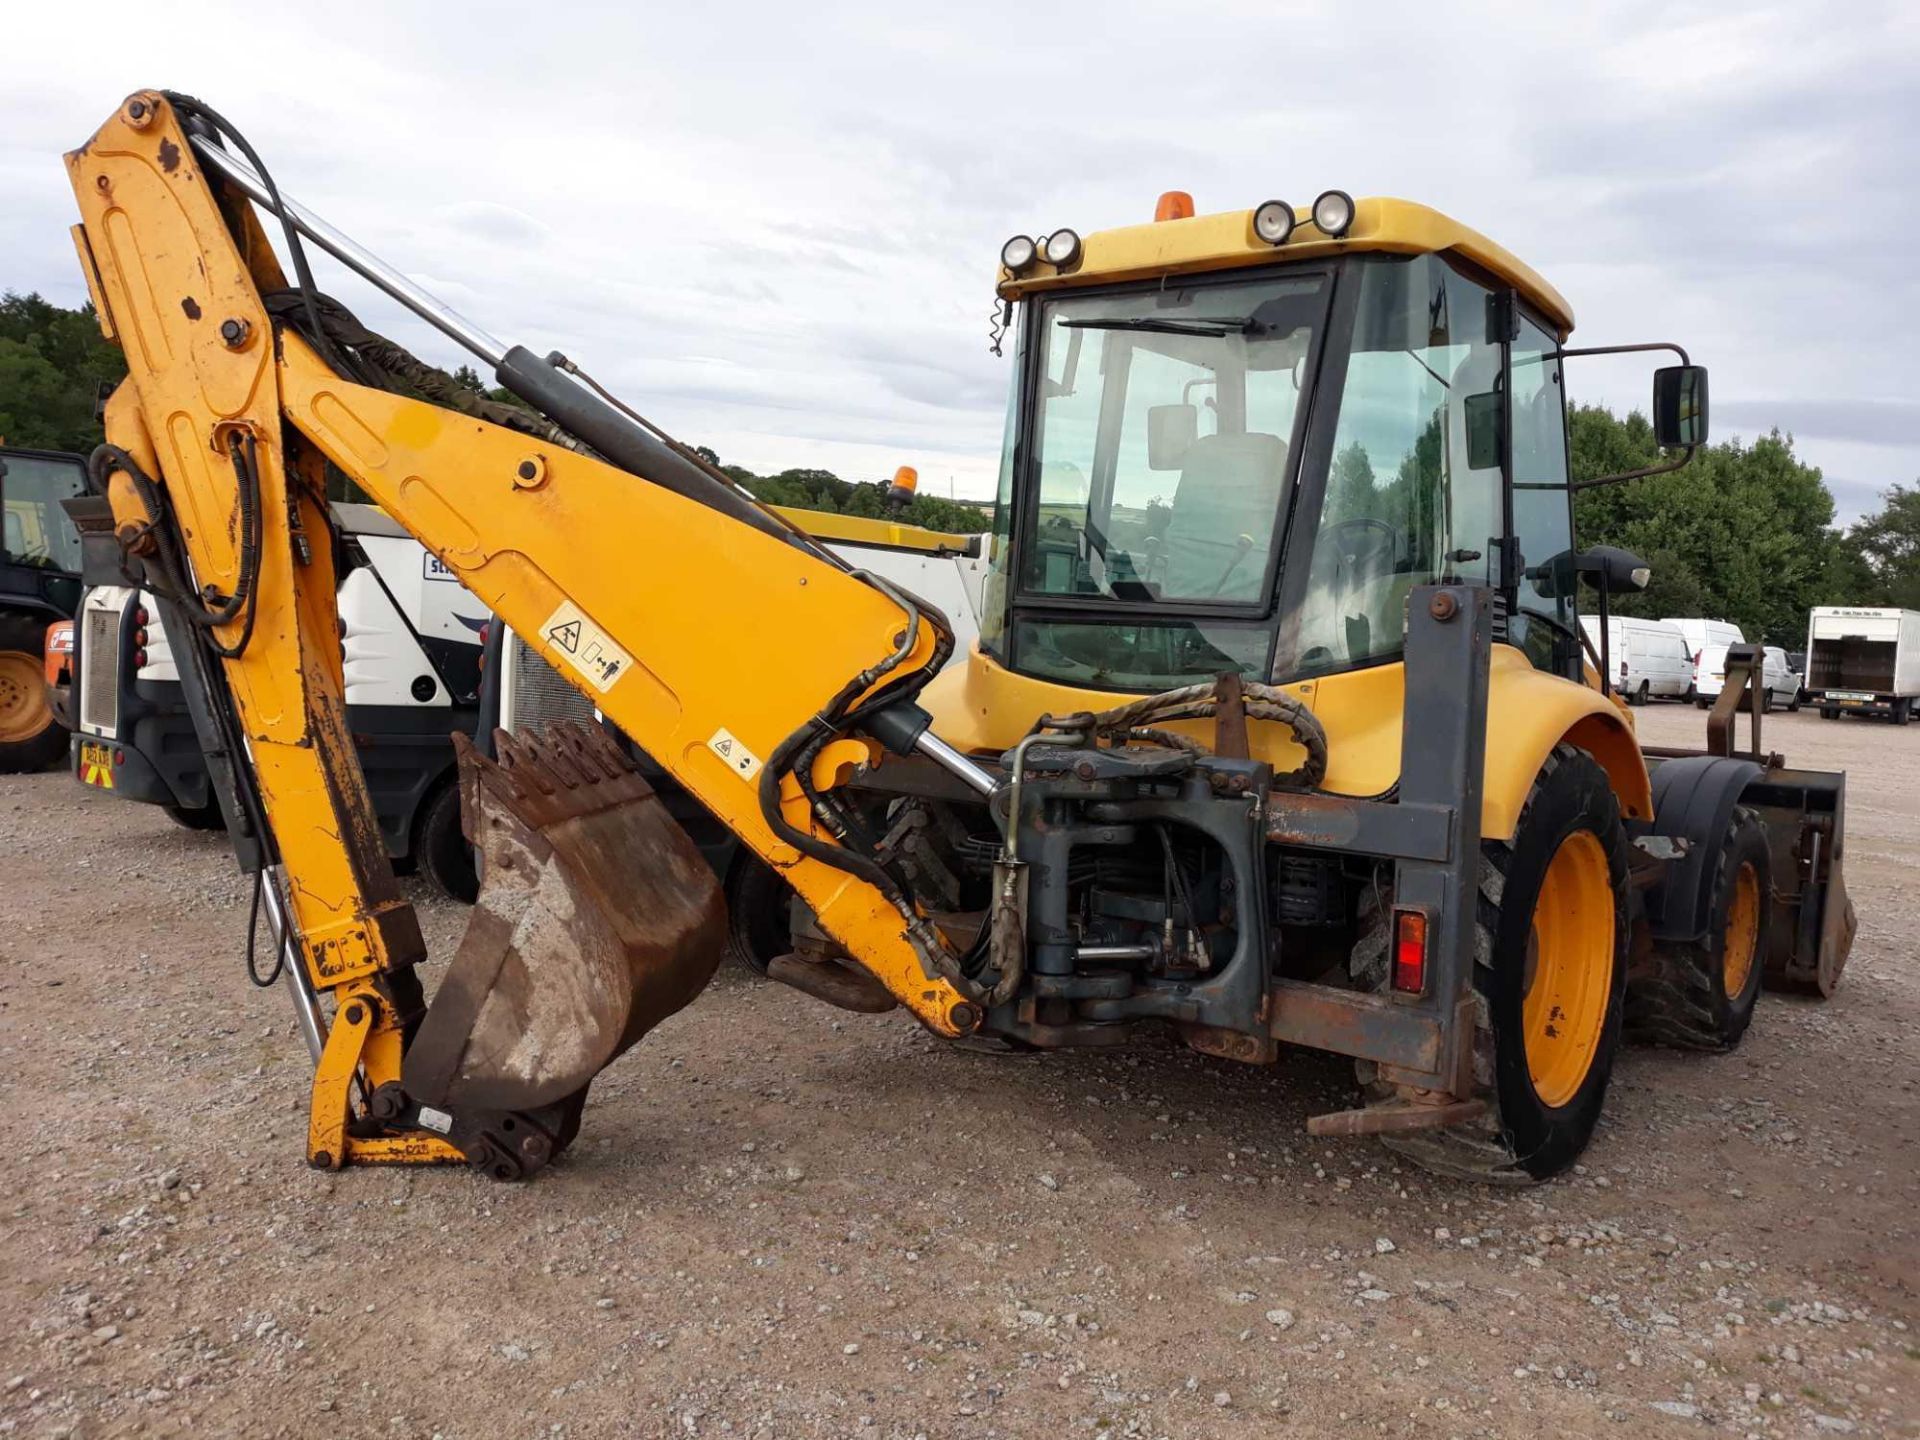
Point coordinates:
[(1632, 350), (1627, 350), (1640, 474)]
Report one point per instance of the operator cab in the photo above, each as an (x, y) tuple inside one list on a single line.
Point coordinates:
[(1227, 452)]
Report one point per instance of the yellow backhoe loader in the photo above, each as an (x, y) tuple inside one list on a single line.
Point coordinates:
[(1279, 732)]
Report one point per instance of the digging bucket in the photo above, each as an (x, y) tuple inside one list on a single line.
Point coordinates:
[(597, 918)]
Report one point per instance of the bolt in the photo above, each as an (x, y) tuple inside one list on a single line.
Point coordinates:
[(1444, 606), (963, 1017), (528, 469), (1084, 769), (355, 1015), (140, 113), (322, 1160), (530, 473), (235, 333)]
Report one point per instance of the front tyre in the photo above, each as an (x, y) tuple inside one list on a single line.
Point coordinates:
[(1551, 974), (1700, 996)]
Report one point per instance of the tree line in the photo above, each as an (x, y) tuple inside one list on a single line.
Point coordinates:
[(1744, 533)]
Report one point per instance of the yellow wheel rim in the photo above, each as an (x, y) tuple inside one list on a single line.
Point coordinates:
[(1569, 977), (1743, 931), (23, 697)]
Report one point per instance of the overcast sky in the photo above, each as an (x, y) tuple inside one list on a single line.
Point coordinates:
[(774, 226)]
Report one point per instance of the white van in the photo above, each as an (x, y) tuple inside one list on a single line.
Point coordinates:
[(1703, 636), (1647, 657)]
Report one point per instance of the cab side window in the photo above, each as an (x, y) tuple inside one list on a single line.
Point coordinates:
[(1542, 505)]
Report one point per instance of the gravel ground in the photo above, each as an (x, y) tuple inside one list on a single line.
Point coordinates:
[(785, 1221)]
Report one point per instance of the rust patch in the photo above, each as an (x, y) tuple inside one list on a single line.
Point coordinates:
[(169, 156), (191, 308)]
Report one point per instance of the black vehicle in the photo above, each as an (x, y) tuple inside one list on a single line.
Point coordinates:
[(39, 584)]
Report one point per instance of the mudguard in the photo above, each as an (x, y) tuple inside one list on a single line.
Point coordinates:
[(1693, 798)]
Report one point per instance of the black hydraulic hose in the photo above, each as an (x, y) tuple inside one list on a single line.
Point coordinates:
[(264, 982), (303, 273), (171, 565)]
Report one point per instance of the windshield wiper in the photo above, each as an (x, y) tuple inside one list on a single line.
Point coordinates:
[(1211, 327)]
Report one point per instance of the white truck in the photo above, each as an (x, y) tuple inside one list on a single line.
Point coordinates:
[(1863, 660)]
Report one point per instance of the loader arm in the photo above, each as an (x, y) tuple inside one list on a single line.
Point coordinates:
[(719, 641)]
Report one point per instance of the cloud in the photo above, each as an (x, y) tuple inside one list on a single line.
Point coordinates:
[(772, 225)]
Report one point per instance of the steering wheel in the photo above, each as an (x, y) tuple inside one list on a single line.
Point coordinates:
[(1374, 539)]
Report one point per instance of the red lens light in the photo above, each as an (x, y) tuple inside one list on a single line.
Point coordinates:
[(1410, 952), (139, 659), (140, 616)]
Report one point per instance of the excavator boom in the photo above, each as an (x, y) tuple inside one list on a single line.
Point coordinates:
[(586, 536)]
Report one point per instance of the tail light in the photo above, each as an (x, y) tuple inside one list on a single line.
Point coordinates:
[(140, 616), (1410, 952), (139, 659), (485, 631), (140, 638)]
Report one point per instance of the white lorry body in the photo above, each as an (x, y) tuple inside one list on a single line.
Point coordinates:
[(1865, 660)]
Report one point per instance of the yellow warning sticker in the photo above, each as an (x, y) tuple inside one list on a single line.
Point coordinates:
[(743, 761), (573, 638)]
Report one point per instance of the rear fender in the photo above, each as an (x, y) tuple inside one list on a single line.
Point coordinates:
[(1693, 798)]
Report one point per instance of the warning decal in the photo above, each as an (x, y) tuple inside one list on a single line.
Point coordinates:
[(743, 761), (572, 637)]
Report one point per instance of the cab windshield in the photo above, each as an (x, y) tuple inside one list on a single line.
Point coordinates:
[(37, 531), (1161, 439)]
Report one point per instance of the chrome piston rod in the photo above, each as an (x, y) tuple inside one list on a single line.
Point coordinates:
[(306, 1010), (355, 256)]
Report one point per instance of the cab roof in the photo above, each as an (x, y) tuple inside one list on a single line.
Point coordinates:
[(1226, 241)]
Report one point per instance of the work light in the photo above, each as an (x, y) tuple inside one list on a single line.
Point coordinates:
[(1017, 254), (1062, 248), (1273, 222), (1333, 213)]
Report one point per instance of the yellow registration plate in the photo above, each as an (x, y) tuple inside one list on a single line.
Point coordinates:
[(96, 764)]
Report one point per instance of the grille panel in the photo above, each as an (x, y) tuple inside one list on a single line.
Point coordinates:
[(539, 695)]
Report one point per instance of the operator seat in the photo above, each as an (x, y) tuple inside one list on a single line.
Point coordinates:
[(1224, 511)]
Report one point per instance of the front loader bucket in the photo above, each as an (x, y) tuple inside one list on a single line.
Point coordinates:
[(597, 918)]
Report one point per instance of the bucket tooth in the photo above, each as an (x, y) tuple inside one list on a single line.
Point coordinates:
[(597, 918)]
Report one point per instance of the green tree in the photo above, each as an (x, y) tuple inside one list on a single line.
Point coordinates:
[(1880, 559), (53, 363), (1743, 533)]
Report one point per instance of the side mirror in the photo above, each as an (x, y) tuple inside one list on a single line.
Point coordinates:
[(1618, 570), (1170, 430), (1680, 406)]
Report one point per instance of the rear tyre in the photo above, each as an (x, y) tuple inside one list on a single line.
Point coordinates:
[(30, 738), (759, 920), (1902, 711), (442, 847), (1701, 996), (1641, 696), (1550, 972), (1827, 712)]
